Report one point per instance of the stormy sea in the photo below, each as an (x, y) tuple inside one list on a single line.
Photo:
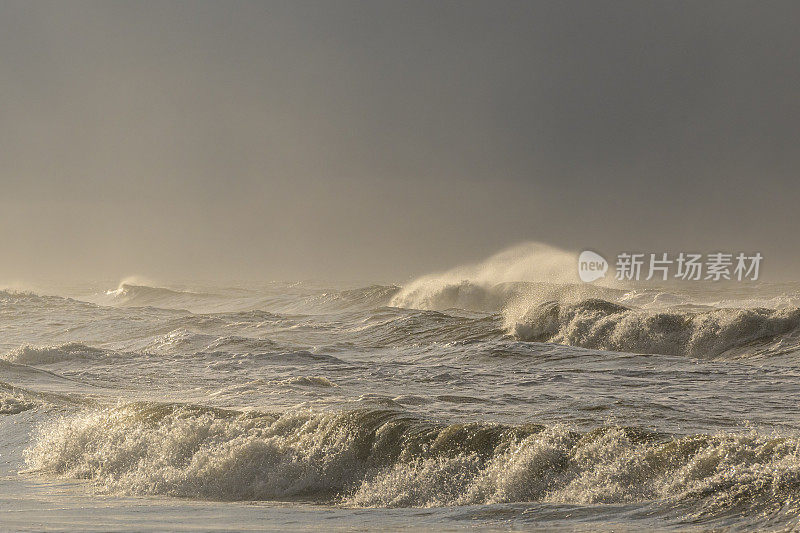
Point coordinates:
[(495, 396)]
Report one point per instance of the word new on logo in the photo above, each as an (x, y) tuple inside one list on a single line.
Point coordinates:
[(591, 266)]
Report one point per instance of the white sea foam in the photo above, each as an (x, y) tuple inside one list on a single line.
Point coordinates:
[(379, 459), (607, 326)]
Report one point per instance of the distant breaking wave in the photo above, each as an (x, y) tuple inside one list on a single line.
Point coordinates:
[(575, 317), (143, 295), (42, 355), (488, 285), (604, 325), (501, 297), (384, 458), (296, 298), (532, 287)]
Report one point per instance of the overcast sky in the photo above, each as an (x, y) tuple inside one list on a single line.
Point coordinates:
[(380, 140)]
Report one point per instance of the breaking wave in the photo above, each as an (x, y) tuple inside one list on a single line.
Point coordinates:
[(43, 355), (532, 287), (12, 403), (144, 296), (604, 325), (491, 284), (507, 297), (385, 458)]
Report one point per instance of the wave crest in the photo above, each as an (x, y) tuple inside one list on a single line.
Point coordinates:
[(383, 458), (604, 325), (131, 295), (490, 284), (43, 355)]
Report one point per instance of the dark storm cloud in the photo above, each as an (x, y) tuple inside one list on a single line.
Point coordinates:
[(382, 139)]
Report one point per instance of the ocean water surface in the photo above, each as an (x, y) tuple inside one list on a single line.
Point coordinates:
[(441, 405)]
